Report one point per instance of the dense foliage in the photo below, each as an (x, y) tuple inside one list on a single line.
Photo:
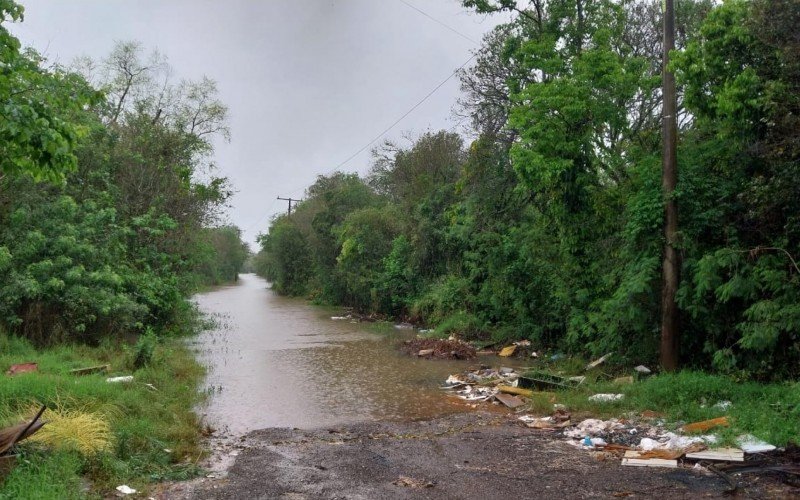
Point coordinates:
[(548, 225), (107, 206)]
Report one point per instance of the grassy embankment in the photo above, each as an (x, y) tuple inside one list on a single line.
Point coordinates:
[(151, 432), (769, 411)]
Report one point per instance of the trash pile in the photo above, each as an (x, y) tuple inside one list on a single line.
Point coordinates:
[(641, 443), (438, 348), (489, 385), (639, 440)]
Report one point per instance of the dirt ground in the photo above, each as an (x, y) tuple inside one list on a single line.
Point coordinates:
[(467, 456)]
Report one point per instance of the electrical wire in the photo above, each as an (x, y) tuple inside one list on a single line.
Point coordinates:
[(462, 35)]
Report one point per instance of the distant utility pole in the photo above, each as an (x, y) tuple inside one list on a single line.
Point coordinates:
[(290, 200), (670, 332)]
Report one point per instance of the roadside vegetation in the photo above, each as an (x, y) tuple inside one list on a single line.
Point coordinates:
[(110, 218), (148, 431), (548, 225)]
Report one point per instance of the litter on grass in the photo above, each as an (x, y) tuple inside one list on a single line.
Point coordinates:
[(606, 398), (117, 380), (22, 368)]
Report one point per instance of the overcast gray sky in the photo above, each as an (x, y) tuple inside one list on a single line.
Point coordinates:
[(308, 82)]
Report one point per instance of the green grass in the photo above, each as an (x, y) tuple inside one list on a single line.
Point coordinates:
[(768, 411), (145, 422)]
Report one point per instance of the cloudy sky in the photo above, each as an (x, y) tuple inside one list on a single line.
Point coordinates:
[(308, 82)]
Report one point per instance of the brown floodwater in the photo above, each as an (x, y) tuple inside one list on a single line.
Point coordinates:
[(280, 362)]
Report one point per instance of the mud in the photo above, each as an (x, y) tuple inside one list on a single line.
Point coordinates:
[(466, 456)]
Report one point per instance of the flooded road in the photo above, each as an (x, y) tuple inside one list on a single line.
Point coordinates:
[(279, 362)]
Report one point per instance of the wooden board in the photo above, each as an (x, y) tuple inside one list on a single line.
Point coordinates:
[(632, 459), (509, 400), (515, 390), (724, 454)]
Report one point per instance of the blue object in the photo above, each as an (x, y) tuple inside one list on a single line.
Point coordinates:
[(587, 441)]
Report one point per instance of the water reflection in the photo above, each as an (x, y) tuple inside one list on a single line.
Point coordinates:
[(278, 362)]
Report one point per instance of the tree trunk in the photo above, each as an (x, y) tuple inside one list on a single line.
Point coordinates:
[(671, 266)]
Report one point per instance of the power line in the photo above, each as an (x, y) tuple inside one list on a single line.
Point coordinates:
[(462, 35), (390, 127)]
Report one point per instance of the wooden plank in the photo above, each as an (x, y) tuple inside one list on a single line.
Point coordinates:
[(91, 369), (509, 400), (724, 454), (632, 459), (515, 390)]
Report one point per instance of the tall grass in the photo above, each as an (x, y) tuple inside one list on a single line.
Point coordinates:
[(153, 433)]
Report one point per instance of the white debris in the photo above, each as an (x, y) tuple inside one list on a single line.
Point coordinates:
[(593, 427), (125, 489), (751, 444), (339, 318), (642, 369), (404, 326), (648, 444), (115, 380), (606, 398), (598, 442), (723, 405), (672, 441)]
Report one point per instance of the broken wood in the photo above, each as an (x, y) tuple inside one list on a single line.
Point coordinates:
[(507, 389), (633, 459), (598, 362), (91, 369), (706, 425), (16, 433), (509, 400), (661, 454), (722, 454)]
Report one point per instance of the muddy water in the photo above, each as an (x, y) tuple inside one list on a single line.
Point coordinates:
[(279, 362)]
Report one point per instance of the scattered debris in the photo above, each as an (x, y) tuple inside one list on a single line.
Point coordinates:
[(339, 318), (723, 405), (507, 351), (91, 370), (409, 482), (22, 368), (509, 400), (723, 454), (606, 398), (125, 489), (633, 458), (116, 380), (706, 425), (751, 444), (598, 362), (643, 370), (545, 380), (438, 348), (624, 380), (507, 389), (404, 326)]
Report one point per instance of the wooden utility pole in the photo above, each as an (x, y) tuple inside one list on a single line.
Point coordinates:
[(670, 334), (290, 200)]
